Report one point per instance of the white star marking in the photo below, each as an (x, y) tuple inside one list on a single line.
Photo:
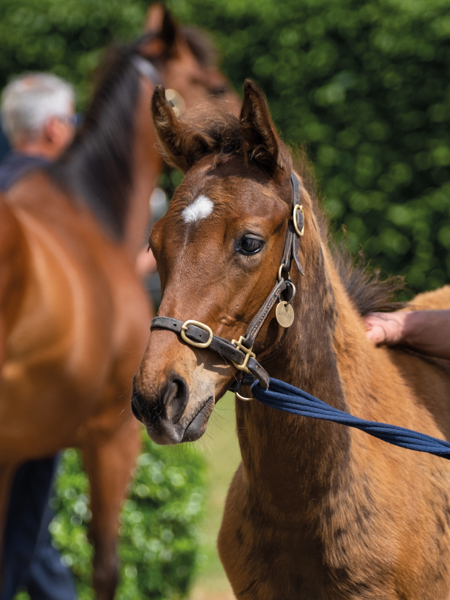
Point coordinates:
[(201, 208)]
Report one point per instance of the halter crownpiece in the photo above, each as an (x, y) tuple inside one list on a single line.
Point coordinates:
[(240, 352), (147, 69)]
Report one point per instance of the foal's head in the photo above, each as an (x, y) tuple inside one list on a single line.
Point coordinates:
[(219, 250)]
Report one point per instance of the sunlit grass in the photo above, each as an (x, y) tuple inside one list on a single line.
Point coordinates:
[(220, 448)]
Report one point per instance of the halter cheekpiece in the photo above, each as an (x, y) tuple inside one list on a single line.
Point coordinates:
[(240, 352)]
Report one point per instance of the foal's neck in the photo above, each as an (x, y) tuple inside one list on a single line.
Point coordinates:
[(294, 459)]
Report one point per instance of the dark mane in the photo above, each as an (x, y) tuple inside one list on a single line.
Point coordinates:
[(96, 167), (368, 292)]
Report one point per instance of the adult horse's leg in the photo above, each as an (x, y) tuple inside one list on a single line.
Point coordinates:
[(110, 448), (7, 471)]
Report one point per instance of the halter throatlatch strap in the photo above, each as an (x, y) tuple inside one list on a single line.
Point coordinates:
[(295, 230), (240, 352)]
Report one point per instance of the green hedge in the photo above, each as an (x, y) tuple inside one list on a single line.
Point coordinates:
[(158, 545), (66, 37), (366, 86)]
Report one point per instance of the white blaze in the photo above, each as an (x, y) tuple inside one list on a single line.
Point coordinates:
[(201, 208)]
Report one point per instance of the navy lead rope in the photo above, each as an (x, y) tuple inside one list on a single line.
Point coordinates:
[(290, 399)]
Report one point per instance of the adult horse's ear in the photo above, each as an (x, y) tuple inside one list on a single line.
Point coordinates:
[(160, 22), (181, 144), (261, 142)]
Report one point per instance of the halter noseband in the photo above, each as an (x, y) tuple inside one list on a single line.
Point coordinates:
[(240, 352)]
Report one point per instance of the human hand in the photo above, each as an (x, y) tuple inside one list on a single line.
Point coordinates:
[(385, 328)]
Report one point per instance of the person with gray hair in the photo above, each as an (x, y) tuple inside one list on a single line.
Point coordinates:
[(38, 118)]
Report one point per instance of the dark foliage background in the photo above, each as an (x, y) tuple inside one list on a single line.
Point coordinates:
[(65, 37), (363, 85)]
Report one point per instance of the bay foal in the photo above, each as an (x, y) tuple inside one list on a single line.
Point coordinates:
[(315, 510), (73, 314)]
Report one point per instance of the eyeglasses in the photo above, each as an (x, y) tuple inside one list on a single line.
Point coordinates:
[(72, 120)]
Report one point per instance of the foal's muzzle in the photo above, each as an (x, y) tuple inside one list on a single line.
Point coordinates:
[(164, 412)]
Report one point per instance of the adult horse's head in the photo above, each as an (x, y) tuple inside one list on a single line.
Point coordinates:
[(184, 59), (219, 250)]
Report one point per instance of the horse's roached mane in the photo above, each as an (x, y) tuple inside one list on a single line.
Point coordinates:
[(368, 292), (97, 166)]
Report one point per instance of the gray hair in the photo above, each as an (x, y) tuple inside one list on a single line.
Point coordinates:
[(29, 100)]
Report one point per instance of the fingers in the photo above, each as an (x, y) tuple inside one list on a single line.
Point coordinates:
[(385, 328), (376, 334)]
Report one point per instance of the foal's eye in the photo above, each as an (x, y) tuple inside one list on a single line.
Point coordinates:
[(249, 245)]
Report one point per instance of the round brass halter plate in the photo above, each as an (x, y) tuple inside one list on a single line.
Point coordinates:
[(176, 102), (284, 314)]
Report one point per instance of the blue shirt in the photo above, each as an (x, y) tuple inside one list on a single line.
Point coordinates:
[(16, 165)]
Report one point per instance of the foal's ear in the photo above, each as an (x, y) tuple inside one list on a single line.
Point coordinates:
[(261, 142), (182, 145)]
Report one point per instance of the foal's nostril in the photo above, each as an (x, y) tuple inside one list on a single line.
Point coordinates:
[(175, 397), (137, 404), (135, 411)]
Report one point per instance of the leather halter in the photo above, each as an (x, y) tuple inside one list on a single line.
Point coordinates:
[(240, 352), (148, 70), (145, 68)]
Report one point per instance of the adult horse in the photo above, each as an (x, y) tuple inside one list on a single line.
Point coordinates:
[(73, 314), (315, 510)]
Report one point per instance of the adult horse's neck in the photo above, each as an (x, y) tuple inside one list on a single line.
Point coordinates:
[(14, 272), (145, 169), (111, 164)]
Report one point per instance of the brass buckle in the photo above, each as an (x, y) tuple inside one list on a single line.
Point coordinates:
[(280, 270), (248, 354), (208, 330), (298, 207)]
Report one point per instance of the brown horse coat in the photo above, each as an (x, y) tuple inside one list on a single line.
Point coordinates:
[(316, 510), (73, 315)]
